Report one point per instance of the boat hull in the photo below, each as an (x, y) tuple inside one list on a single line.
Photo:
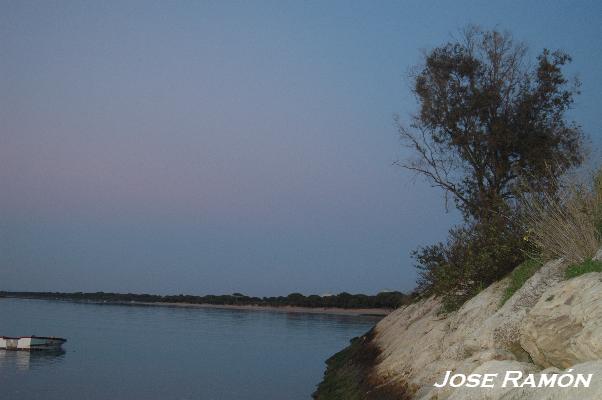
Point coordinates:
[(31, 343)]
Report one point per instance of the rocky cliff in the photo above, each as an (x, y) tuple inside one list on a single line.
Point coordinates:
[(549, 326)]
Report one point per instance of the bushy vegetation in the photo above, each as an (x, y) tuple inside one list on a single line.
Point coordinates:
[(583, 268), (472, 258), (342, 300), (568, 224), (491, 125), (519, 276)]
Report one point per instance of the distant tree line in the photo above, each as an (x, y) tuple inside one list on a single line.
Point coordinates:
[(388, 300)]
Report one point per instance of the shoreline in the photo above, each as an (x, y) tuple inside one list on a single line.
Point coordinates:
[(360, 312), (368, 312)]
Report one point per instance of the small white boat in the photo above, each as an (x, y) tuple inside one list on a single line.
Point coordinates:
[(30, 343)]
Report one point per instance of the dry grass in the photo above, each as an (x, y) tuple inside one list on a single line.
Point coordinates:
[(567, 225)]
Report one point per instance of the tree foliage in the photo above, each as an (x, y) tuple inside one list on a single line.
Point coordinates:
[(489, 125), (488, 122)]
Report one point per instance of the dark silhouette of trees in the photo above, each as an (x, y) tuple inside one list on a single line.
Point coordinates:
[(341, 300), (489, 125), (488, 122)]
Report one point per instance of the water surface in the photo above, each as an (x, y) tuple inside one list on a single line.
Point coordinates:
[(133, 352)]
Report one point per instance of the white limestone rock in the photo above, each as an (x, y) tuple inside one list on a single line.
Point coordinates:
[(502, 329), (565, 326), (549, 322), (418, 344)]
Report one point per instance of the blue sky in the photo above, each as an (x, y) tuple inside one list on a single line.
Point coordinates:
[(213, 147)]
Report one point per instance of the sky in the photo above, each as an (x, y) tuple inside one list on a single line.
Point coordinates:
[(222, 146)]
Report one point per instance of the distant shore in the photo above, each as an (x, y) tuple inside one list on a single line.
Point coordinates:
[(366, 312), (372, 312)]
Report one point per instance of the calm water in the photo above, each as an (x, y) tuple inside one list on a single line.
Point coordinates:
[(123, 352)]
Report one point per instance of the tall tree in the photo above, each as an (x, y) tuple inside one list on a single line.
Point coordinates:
[(489, 121), (489, 125)]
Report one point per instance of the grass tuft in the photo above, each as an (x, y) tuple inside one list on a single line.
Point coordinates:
[(583, 268), (519, 276), (568, 224)]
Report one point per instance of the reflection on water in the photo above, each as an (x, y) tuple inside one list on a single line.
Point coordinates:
[(24, 360), (158, 353)]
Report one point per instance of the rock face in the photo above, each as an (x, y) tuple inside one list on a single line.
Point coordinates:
[(502, 329), (548, 323), (418, 345), (565, 326)]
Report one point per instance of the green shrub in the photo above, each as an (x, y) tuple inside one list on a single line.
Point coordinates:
[(473, 257), (583, 268), (519, 276)]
